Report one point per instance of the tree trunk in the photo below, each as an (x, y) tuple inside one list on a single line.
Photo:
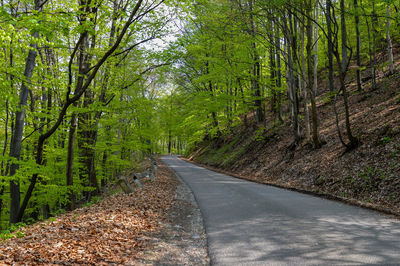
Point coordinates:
[(86, 125), (345, 59), (273, 80), (330, 45), (373, 28), (256, 69), (71, 100), (358, 45), (16, 139), (315, 56), (291, 83), (3, 170), (91, 133), (303, 81), (83, 67), (389, 42), (86, 143), (354, 142), (292, 57), (315, 132), (70, 162), (278, 73), (370, 56), (169, 141)]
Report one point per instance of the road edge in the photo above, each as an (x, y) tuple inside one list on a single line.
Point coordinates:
[(195, 204), (353, 202)]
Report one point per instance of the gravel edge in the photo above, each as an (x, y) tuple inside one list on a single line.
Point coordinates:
[(182, 240)]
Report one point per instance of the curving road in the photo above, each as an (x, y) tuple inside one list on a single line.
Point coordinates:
[(253, 224)]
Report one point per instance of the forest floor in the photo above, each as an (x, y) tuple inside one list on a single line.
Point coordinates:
[(158, 224), (368, 175)]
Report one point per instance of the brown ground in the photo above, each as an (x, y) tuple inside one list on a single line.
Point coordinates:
[(137, 229), (369, 174)]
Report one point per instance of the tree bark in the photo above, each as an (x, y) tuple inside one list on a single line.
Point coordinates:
[(70, 162), (169, 141), (16, 139), (256, 68), (330, 45), (305, 84), (345, 58), (315, 56), (291, 83), (389, 42), (358, 46), (314, 113), (354, 142), (373, 25), (278, 73), (292, 57)]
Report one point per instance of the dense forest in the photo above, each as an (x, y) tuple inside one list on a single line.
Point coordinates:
[(90, 87)]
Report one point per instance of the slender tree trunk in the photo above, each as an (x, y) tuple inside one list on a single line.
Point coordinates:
[(256, 69), (291, 82), (345, 59), (106, 177), (83, 67), (374, 33), (70, 161), (278, 73), (169, 141), (3, 171), (86, 123), (86, 141), (315, 132), (16, 139), (370, 55), (389, 42), (210, 89), (315, 56), (358, 45), (292, 54), (354, 142), (91, 133), (330, 45), (213, 114), (303, 81), (43, 102), (273, 80), (5, 167), (243, 100)]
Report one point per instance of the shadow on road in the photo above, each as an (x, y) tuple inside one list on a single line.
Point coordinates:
[(253, 224)]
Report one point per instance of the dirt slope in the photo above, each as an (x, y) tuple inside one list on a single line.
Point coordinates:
[(369, 173)]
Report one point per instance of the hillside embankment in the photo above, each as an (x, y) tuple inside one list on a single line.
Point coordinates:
[(368, 175)]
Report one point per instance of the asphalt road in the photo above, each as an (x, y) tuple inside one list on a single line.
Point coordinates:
[(253, 224)]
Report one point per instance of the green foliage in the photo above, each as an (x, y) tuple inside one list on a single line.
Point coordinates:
[(259, 134), (328, 97), (151, 95), (93, 200), (14, 231), (121, 105), (386, 140)]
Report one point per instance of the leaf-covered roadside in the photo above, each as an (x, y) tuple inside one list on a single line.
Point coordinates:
[(112, 231)]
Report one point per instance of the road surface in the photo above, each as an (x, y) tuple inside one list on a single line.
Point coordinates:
[(254, 224)]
